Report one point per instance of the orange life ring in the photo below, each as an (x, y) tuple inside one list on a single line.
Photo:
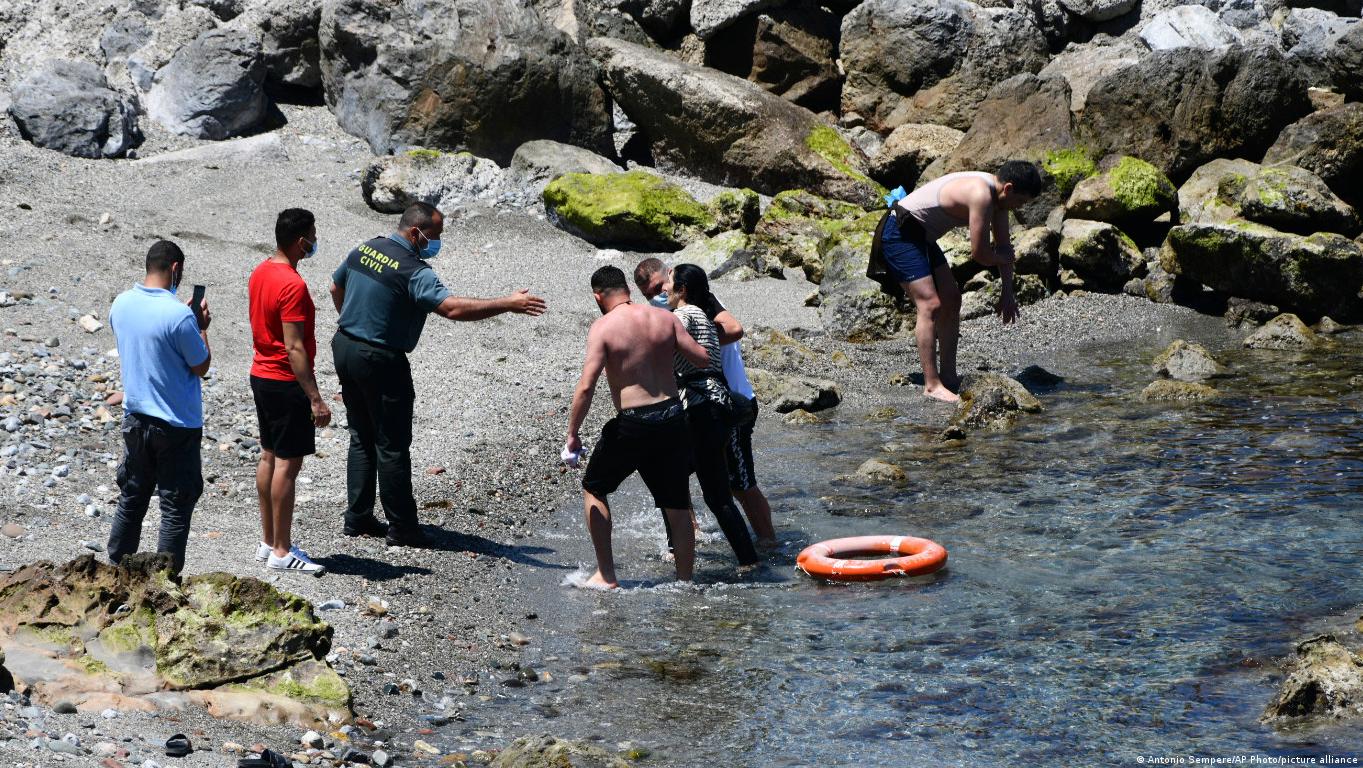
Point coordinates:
[(830, 559)]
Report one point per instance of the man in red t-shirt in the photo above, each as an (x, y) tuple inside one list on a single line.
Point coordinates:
[(288, 404)]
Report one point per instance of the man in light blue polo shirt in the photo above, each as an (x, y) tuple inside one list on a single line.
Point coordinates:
[(163, 351)]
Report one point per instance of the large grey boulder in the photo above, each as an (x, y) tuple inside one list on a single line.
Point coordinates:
[(1189, 26), (1026, 117), (727, 130), (538, 162), (1099, 254), (1083, 66), (214, 88), (791, 51), (784, 393), (1309, 36), (909, 150), (481, 75), (1328, 143), (156, 39), (67, 106), (393, 182), (1099, 10), (582, 20), (1282, 196), (1345, 60), (1314, 275), (1181, 108), (288, 32), (932, 61), (709, 17)]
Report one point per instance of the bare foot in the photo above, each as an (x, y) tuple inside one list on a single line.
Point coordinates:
[(597, 582), (749, 568), (668, 556), (940, 392)]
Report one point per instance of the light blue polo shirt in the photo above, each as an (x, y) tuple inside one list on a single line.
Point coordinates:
[(158, 340)]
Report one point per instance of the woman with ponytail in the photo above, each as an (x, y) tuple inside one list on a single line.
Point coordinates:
[(706, 399)]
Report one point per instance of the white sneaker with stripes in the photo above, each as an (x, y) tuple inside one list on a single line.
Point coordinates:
[(263, 552), (298, 561)]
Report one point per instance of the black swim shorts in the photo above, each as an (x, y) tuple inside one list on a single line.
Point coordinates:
[(284, 417), (651, 440)]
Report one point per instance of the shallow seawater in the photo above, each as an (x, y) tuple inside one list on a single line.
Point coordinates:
[(1122, 579)]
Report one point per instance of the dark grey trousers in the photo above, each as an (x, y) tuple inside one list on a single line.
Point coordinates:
[(162, 459)]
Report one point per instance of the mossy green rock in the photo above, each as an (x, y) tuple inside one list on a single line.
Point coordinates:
[(992, 402), (1171, 391), (1100, 254), (774, 349), (852, 306), (215, 633), (1314, 275), (799, 228), (1129, 191), (1285, 197), (725, 255), (231, 629), (736, 209), (1068, 167), (631, 210), (785, 393)]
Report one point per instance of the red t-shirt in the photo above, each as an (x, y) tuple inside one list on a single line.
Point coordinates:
[(279, 295)]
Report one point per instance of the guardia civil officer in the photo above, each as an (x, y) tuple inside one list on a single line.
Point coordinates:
[(383, 291)]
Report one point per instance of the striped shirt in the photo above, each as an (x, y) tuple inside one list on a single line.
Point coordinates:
[(699, 385)]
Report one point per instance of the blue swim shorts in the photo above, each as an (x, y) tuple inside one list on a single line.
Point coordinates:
[(908, 259)]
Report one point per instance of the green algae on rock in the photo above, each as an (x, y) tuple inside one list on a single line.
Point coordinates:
[(1129, 191), (1314, 275), (799, 228), (992, 402), (129, 636), (831, 146), (634, 209), (1067, 167)]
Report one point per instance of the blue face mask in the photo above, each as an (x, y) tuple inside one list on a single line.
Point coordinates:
[(311, 250), (659, 301), (431, 249)]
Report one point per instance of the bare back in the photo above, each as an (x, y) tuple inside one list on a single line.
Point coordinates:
[(639, 343)]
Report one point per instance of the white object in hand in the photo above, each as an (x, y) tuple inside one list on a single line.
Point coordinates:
[(571, 458)]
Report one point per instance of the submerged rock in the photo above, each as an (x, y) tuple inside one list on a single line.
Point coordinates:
[(1168, 390), (1325, 679), (1327, 325), (785, 394), (1185, 361), (549, 752), (1284, 332), (992, 402), (879, 471), (635, 209)]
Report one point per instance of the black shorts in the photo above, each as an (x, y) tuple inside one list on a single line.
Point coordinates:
[(738, 451), (651, 440), (285, 418)]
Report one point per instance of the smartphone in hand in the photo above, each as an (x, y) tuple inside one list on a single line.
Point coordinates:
[(197, 302)]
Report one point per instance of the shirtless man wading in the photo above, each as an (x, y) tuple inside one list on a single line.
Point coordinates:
[(635, 345), (981, 202)]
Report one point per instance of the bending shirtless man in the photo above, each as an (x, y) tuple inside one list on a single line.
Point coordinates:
[(980, 201), (635, 346)]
